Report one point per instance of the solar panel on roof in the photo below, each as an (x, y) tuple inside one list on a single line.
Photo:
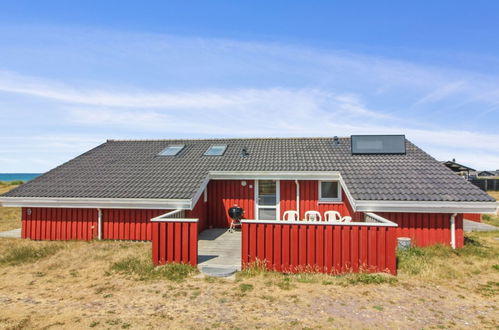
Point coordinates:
[(378, 144)]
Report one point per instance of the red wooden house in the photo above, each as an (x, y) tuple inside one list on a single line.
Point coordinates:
[(167, 191)]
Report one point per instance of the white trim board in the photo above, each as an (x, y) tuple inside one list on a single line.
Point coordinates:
[(320, 223), (426, 206)]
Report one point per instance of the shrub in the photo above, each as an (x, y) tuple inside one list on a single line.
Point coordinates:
[(145, 270), (244, 287), (25, 254), (364, 278)]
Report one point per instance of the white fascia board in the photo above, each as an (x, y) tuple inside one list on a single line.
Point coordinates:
[(104, 203), (426, 206), (274, 175), (199, 192), (320, 223)]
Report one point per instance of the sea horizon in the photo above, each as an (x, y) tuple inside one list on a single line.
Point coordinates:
[(18, 176)]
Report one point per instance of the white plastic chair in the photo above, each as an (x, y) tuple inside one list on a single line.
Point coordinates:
[(313, 216), (290, 216), (346, 219), (332, 216)]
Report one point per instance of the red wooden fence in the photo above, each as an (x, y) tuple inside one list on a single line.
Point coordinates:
[(427, 228), (319, 246), (175, 240), (40, 223)]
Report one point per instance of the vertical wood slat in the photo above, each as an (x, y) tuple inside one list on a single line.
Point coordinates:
[(57, 223), (174, 241), (426, 229), (324, 248)]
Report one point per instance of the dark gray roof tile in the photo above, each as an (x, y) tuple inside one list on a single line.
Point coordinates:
[(133, 169)]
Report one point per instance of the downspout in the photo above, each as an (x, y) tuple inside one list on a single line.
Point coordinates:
[(99, 224), (298, 198), (453, 230)]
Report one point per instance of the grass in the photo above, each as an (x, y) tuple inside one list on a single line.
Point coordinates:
[(10, 217), (494, 194), (15, 255), (143, 269), (439, 263), (114, 285)]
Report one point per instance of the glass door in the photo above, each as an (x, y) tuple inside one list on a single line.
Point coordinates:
[(267, 199)]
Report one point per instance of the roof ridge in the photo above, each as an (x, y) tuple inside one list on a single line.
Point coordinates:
[(226, 139)]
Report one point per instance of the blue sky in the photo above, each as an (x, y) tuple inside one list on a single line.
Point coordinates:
[(73, 75)]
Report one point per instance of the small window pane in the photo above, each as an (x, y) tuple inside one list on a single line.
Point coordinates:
[(172, 150), (267, 214), (329, 190), (217, 150), (267, 192)]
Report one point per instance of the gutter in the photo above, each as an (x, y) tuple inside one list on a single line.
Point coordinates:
[(453, 230), (297, 183)]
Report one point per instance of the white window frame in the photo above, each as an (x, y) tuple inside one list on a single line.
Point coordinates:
[(278, 200), (330, 200)]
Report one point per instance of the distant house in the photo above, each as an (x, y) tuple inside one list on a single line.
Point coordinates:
[(460, 169), (326, 204), (487, 173)]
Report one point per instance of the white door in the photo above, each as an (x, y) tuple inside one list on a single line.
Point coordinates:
[(267, 200)]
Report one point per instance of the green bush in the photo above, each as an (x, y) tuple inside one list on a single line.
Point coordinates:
[(145, 270), (11, 183), (244, 287), (26, 254), (364, 278)]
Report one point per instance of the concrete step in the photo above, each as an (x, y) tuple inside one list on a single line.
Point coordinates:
[(218, 271)]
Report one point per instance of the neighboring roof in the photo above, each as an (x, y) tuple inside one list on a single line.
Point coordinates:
[(488, 173), (133, 169), (456, 167)]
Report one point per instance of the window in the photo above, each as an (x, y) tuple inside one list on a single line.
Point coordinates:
[(216, 150), (378, 144), (172, 150), (329, 191)]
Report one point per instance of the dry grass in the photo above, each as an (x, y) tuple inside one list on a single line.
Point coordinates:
[(10, 217), (101, 285), (494, 194)]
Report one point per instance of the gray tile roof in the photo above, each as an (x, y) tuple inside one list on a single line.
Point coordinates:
[(133, 169)]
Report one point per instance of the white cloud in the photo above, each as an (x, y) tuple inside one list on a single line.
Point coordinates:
[(207, 86)]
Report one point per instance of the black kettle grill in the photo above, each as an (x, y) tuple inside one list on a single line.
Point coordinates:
[(236, 214)]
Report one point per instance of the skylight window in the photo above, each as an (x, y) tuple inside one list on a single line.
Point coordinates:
[(378, 144), (216, 150), (172, 150)]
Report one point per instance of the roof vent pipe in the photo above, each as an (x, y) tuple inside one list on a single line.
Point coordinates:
[(244, 153)]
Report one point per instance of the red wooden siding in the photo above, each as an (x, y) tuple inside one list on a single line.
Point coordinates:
[(322, 248), (59, 224), (427, 228), (128, 224), (477, 217), (309, 200), (223, 194), (200, 211), (175, 241)]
